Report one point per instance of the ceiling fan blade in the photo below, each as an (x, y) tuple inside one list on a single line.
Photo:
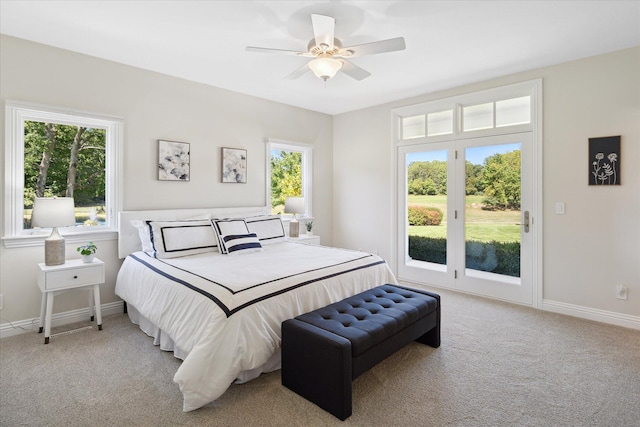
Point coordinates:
[(323, 30), (299, 72), (352, 70), (382, 46), (279, 51)]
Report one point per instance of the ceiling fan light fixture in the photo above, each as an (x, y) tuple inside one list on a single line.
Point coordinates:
[(325, 67)]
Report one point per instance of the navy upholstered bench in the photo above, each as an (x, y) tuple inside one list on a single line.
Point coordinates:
[(325, 349)]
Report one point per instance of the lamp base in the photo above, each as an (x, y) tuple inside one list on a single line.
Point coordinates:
[(294, 229), (54, 249)]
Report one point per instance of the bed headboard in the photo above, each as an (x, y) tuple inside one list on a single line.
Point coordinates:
[(129, 241)]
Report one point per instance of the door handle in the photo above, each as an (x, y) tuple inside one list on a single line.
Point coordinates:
[(525, 218)]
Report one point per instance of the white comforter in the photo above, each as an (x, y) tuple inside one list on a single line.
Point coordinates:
[(225, 312)]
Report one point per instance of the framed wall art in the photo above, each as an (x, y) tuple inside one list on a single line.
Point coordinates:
[(234, 165), (604, 160), (173, 161)]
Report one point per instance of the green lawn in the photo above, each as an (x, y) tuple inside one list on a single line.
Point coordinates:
[(481, 225)]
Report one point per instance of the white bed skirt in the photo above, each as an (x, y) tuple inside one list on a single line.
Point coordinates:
[(165, 342)]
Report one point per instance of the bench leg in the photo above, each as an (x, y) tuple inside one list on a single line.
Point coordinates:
[(432, 337), (316, 364)]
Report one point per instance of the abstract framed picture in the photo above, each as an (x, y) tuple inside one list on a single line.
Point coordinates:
[(173, 161), (604, 160), (234, 165)]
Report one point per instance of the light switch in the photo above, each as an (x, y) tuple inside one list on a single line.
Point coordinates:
[(559, 208)]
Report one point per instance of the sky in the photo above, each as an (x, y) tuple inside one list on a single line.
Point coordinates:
[(475, 155)]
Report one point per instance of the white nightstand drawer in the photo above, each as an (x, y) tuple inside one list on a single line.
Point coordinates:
[(72, 276)]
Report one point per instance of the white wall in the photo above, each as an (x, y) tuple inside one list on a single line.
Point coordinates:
[(154, 106), (595, 246)]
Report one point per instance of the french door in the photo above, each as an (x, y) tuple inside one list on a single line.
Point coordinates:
[(465, 215)]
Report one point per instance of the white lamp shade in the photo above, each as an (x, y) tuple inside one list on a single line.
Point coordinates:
[(53, 212), (294, 205), (325, 68)]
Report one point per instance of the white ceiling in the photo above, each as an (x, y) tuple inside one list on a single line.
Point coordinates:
[(449, 43)]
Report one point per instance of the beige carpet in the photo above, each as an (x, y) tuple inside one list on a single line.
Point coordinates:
[(499, 365)]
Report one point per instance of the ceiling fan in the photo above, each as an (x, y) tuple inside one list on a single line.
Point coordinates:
[(329, 56)]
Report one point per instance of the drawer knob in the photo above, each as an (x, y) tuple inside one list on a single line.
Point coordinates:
[(75, 277)]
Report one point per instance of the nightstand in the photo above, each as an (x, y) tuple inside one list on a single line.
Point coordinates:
[(73, 274), (309, 239)]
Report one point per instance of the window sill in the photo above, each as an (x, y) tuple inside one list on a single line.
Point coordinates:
[(70, 237)]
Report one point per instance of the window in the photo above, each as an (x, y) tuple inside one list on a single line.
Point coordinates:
[(54, 152), (440, 123), (505, 110), (477, 117), (508, 112), (413, 127), (289, 172)]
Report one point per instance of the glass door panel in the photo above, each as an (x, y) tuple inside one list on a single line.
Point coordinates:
[(494, 251), (426, 173), (425, 210), (492, 209)]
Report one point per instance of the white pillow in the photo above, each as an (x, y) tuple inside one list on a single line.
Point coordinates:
[(171, 239), (227, 227), (241, 243), (143, 233), (268, 228)]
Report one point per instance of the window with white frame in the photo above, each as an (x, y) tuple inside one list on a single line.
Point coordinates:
[(289, 174), (51, 152), (442, 120)]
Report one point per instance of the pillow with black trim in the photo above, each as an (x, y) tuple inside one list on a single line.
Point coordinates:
[(172, 239), (227, 227), (241, 243), (143, 233), (268, 228)]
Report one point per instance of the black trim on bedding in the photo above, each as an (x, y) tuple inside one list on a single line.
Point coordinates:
[(226, 310), (232, 292), (182, 282), (299, 285)]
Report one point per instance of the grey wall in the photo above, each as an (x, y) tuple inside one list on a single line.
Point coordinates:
[(586, 252), (154, 106)]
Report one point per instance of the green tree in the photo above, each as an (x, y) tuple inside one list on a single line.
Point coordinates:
[(473, 183), (286, 176), (501, 181), (64, 160), (427, 177)]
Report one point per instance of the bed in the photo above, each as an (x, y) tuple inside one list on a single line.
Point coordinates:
[(216, 296)]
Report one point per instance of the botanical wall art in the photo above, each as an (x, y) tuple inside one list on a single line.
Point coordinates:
[(604, 160), (173, 161), (234, 165)]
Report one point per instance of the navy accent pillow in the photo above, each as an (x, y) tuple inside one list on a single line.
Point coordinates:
[(241, 243)]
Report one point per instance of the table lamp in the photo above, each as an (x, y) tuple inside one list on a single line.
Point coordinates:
[(294, 205), (53, 212)]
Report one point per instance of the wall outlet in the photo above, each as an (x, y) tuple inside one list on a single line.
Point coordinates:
[(621, 292)]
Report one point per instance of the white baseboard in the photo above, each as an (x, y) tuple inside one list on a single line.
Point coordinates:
[(604, 316), (610, 317), (9, 329)]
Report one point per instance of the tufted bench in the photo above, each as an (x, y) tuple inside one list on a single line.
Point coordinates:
[(325, 349)]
